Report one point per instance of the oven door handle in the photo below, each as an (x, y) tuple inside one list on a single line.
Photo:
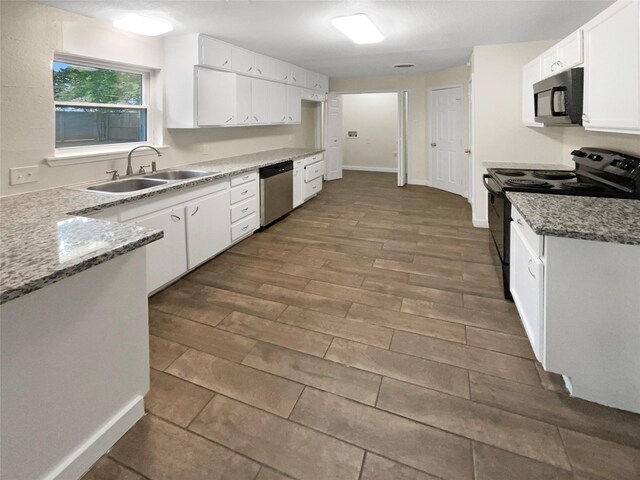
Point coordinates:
[(485, 179)]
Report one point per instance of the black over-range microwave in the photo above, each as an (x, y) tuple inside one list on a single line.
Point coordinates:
[(558, 99)]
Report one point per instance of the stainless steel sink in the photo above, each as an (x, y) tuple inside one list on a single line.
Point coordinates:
[(127, 185), (178, 174)]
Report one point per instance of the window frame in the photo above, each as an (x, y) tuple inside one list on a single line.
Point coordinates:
[(145, 105)]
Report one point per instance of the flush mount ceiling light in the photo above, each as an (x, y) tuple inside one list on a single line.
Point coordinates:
[(143, 25), (359, 28)]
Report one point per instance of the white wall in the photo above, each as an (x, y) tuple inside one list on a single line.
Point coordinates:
[(32, 32), (374, 116), (417, 125)]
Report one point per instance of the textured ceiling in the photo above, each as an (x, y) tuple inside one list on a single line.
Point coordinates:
[(432, 34)]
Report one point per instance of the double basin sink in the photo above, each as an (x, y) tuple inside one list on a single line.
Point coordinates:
[(151, 180)]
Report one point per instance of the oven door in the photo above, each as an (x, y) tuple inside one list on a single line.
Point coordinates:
[(499, 215)]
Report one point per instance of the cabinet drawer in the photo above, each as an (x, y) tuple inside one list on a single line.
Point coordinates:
[(242, 192), (533, 240), (244, 227), (245, 177), (313, 171), (312, 188), (298, 163), (313, 159), (244, 209)]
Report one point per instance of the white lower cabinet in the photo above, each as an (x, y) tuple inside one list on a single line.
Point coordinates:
[(526, 277), (207, 227), (167, 257), (244, 205), (298, 183), (314, 168)]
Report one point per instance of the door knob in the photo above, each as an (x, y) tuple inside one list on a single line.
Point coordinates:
[(433, 144)]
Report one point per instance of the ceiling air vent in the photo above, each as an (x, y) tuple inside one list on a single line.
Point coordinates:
[(404, 65)]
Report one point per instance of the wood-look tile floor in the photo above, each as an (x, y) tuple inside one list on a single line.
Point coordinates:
[(362, 337)]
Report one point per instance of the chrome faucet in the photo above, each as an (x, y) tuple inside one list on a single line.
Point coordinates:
[(130, 168)]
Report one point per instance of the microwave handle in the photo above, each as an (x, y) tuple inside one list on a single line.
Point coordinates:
[(555, 90)]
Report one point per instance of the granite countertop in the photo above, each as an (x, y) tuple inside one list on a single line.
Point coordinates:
[(528, 166), (612, 220), (44, 237)]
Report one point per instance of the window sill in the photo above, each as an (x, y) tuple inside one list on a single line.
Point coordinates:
[(88, 156)]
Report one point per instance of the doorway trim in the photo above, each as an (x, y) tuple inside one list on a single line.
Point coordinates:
[(430, 133), (409, 134)]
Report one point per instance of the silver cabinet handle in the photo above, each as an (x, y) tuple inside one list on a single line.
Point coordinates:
[(286, 76), (256, 118), (290, 118), (250, 68), (175, 218), (294, 79), (519, 222), (284, 118), (434, 144), (560, 64), (315, 187), (245, 227), (245, 209), (259, 71), (225, 62), (195, 211), (246, 118), (245, 192), (245, 177), (585, 119), (230, 118), (529, 268)]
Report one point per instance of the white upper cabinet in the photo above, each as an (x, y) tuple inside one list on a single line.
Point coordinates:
[(259, 101), (215, 53), (244, 61), (281, 71), (311, 80), (323, 83), (294, 104), (243, 100), (265, 67), (612, 70), (277, 102), (297, 76), (531, 73), (216, 94), (562, 56)]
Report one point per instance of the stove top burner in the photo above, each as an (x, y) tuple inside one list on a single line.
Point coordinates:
[(525, 182), (582, 186), (512, 173), (554, 174)]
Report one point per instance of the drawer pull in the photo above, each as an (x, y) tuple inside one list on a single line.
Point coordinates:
[(245, 209), (175, 218), (195, 211), (245, 227), (315, 187), (245, 192), (529, 268), (519, 222), (245, 177)]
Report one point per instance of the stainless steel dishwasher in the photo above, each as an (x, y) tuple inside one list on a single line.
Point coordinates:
[(276, 191)]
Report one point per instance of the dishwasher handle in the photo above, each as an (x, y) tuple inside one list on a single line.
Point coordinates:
[(277, 169)]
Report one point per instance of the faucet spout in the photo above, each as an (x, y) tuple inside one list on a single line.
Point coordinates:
[(129, 166)]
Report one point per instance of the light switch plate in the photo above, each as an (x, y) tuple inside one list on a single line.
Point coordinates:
[(22, 175)]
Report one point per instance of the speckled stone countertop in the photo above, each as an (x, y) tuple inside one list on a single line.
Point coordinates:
[(527, 166), (588, 218), (44, 238)]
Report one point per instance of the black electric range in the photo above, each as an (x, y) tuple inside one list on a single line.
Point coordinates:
[(598, 173)]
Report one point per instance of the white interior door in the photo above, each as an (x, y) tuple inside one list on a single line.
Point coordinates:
[(333, 143), (403, 103), (445, 119)]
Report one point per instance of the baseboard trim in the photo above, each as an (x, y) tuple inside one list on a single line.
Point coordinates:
[(78, 462), (370, 169), (418, 181)]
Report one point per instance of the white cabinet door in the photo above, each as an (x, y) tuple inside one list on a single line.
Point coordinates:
[(265, 67), (243, 61), (323, 83), (282, 71), (612, 69), (208, 227), (167, 257), (297, 76), (259, 101), (549, 61), (243, 104), (526, 272), (570, 51), (215, 53), (277, 102), (294, 104), (215, 97), (531, 73), (298, 186), (311, 80)]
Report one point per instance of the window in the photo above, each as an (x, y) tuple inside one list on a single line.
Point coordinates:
[(97, 105)]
